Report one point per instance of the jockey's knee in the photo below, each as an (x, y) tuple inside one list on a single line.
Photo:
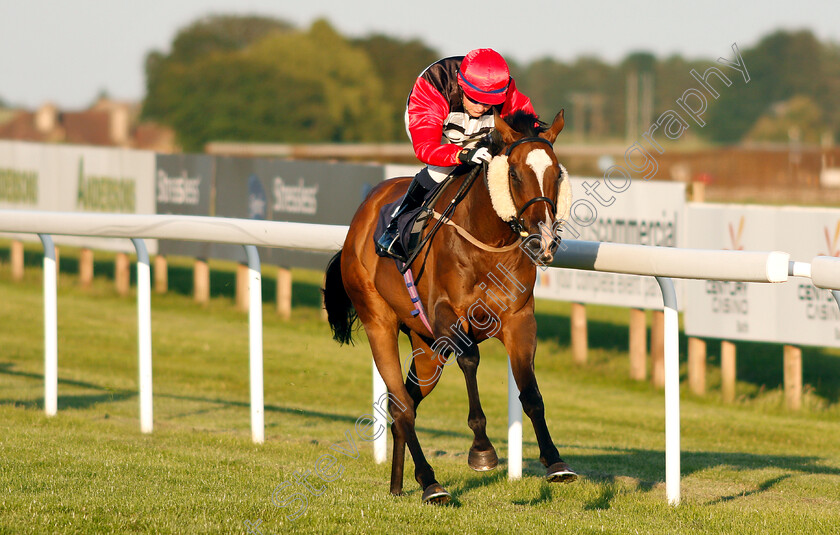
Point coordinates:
[(437, 173)]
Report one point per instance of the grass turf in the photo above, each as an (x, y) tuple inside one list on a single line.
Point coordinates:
[(748, 467)]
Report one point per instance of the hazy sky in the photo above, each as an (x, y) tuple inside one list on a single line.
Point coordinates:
[(66, 51)]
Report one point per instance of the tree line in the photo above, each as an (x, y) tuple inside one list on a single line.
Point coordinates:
[(259, 79)]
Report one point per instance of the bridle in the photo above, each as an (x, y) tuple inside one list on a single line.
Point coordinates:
[(517, 224)]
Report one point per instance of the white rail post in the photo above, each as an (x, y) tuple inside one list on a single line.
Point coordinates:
[(256, 345), (824, 272), (672, 391), (144, 335), (514, 428), (380, 443), (50, 327)]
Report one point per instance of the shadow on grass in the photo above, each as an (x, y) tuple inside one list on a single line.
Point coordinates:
[(478, 480), (643, 465), (649, 465), (75, 401), (72, 401), (546, 495), (611, 469), (645, 468), (770, 483), (110, 394), (604, 500)]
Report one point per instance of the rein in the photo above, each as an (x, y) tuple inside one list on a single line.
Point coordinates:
[(466, 184), (472, 239)]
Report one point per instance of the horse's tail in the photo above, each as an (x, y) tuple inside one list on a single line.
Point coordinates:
[(340, 311)]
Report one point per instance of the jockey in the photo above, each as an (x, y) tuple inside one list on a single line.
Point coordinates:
[(448, 110)]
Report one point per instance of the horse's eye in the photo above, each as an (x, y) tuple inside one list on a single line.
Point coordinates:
[(512, 174)]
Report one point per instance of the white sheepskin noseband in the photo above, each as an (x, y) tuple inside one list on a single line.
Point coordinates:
[(499, 187), (502, 200), (564, 196)]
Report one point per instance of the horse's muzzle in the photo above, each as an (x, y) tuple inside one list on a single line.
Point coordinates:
[(540, 248)]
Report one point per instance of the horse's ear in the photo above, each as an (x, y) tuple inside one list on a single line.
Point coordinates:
[(555, 128), (509, 135)]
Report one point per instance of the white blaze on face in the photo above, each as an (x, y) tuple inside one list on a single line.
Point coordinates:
[(539, 160)]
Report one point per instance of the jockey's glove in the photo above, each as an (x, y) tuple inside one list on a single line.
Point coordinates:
[(475, 156)]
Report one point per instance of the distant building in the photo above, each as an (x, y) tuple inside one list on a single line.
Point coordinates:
[(107, 123)]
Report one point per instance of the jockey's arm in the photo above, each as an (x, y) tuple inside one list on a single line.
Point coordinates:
[(427, 110)]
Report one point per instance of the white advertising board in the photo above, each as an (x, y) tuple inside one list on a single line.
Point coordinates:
[(66, 178), (644, 213), (795, 312)]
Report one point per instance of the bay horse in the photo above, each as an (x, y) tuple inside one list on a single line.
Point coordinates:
[(504, 225)]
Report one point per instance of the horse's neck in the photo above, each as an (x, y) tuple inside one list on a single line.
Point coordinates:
[(480, 219), (476, 214)]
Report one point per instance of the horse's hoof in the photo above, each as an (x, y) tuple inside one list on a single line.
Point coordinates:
[(560, 472), (436, 494), (483, 461)]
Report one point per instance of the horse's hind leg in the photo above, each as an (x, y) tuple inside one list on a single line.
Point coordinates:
[(424, 371), (383, 343), (398, 453), (417, 393)]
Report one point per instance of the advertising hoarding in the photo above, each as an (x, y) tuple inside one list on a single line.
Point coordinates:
[(298, 191), (643, 213), (795, 312), (68, 178)]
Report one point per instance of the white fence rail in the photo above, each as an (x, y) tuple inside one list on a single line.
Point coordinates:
[(248, 233), (665, 263), (660, 262)]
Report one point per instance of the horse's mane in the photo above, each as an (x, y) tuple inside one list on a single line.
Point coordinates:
[(527, 124)]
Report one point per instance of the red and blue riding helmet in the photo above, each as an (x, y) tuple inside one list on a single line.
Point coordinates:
[(484, 76)]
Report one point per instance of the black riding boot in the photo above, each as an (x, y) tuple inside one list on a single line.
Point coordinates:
[(389, 242)]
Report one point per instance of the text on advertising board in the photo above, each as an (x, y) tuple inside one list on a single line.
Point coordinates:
[(298, 199), (105, 193), (177, 190), (19, 186)]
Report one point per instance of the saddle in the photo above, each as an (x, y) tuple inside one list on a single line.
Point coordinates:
[(411, 223)]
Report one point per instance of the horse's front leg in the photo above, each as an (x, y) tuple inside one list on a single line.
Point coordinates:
[(519, 335), (482, 455)]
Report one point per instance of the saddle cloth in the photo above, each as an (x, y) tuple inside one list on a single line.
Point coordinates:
[(410, 224)]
